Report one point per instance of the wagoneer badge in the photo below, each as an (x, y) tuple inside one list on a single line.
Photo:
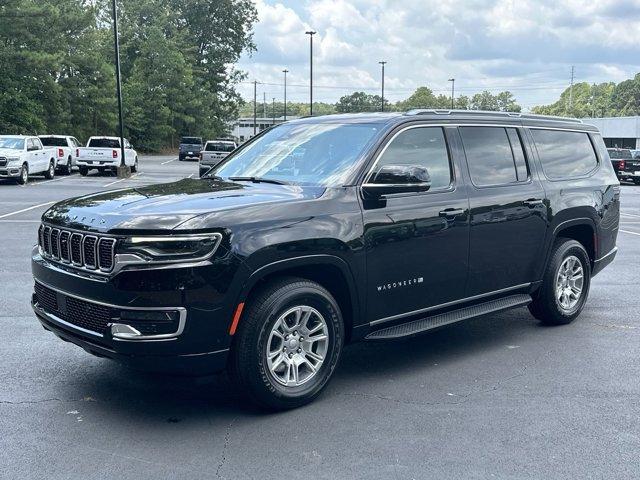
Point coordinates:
[(401, 283)]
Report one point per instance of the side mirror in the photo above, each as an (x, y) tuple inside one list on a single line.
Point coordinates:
[(398, 179)]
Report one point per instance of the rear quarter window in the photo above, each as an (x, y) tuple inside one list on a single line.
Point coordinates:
[(564, 155)]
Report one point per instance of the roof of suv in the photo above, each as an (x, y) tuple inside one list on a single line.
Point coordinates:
[(452, 116)]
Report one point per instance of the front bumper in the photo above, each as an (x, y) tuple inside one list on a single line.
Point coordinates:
[(9, 172), (199, 345)]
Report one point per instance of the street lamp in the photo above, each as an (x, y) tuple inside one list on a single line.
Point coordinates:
[(285, 71), (453, 82), (122, 171), (383, 64), (273, 110), (311, 33)]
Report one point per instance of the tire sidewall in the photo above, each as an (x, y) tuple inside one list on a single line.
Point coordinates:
[(569, 248), (277, 304)]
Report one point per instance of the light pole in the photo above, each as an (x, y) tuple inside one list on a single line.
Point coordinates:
[(285, 71), (383, 64), (123, 171), (453, 82), (311, 33), (255, 106), (273, 110)]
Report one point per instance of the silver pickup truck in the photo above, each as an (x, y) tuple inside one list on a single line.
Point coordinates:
[(214, 152)]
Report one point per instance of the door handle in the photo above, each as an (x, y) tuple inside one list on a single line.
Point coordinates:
[(450, 213), (532, 202)]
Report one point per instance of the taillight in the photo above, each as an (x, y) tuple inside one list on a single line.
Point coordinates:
[(115, 154), (621, 165), (77, 152), (60, 152)]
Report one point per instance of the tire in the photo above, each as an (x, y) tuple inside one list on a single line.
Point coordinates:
[(51, 171), (23, 179), (249, 366), (134, 167), (636, 181), (548, 305), (84, 171), (68, 168)]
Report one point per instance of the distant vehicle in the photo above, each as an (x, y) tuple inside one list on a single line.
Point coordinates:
[(214, 152), (626, 166), (22, 156), (65, 151), (635, 153), (103, 153), (190, 148)]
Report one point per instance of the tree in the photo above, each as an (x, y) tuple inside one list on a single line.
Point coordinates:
[(585, 101), (359, 102), (423, 97)]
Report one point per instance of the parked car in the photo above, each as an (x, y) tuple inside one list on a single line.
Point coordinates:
[(214, 152), (103, 154), (65, 149), (328, 230), (635, 153), (23, 155), (625, 165), (189, 148)]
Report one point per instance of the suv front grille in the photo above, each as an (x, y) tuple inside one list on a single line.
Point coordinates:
[(3, 161), (88, 251)]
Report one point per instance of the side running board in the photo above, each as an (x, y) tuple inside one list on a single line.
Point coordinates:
[(435, 321)]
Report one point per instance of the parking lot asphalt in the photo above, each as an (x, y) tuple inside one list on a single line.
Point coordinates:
[(496, 397)]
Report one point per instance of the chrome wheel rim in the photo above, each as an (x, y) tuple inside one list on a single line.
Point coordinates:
[(24, 174), (297, 346), (569, 282)]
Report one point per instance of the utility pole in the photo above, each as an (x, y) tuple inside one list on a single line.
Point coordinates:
[(123, 171), (311, 33), (273, 110), (285, 71), (264, 104), (571, 88), (383, 64), (453, 82), (255, 106)]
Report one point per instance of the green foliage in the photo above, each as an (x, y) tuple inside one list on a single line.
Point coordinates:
[(597, 100), (359, 102), (57, 63)]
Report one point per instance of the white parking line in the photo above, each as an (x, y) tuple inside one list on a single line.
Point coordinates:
[(121, 180), (25, 209), (631, 233), (168, 161), (13, 220), (629, 215), (33, 184)]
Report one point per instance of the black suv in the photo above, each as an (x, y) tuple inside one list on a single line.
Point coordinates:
[(329, 230), (189, 148)]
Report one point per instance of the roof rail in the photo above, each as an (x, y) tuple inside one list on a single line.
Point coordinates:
[(437, 111)]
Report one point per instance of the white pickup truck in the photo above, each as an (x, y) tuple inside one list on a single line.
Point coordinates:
[(65, 148), (23, 155), (103, 153), (214, 152)]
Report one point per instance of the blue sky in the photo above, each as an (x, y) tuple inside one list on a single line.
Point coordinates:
[(524, 46)]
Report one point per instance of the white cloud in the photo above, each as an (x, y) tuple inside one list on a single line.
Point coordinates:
[(526, 46)]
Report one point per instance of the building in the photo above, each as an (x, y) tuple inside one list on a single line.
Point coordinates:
[(621, 132), (242, 129)]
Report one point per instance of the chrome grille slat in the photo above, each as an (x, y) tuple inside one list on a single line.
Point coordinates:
[(85, 251)]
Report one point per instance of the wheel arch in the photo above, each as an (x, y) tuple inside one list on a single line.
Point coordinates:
[(330, 271), (582, 230)]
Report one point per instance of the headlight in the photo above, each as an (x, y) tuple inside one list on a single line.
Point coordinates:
[(13, 159), (167, 249)]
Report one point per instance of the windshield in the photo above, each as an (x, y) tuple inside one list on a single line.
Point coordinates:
[(104, 143), (53, 142), (12, 143), (191, 140), (308, 154), (220, 147), (619, 154)]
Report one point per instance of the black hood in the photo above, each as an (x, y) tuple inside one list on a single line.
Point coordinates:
[(165, 206)]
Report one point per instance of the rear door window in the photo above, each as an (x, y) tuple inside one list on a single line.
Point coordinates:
[(564, 154), (494, 155)]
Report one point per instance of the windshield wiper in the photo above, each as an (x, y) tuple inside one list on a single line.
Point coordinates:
[(258, 180)]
